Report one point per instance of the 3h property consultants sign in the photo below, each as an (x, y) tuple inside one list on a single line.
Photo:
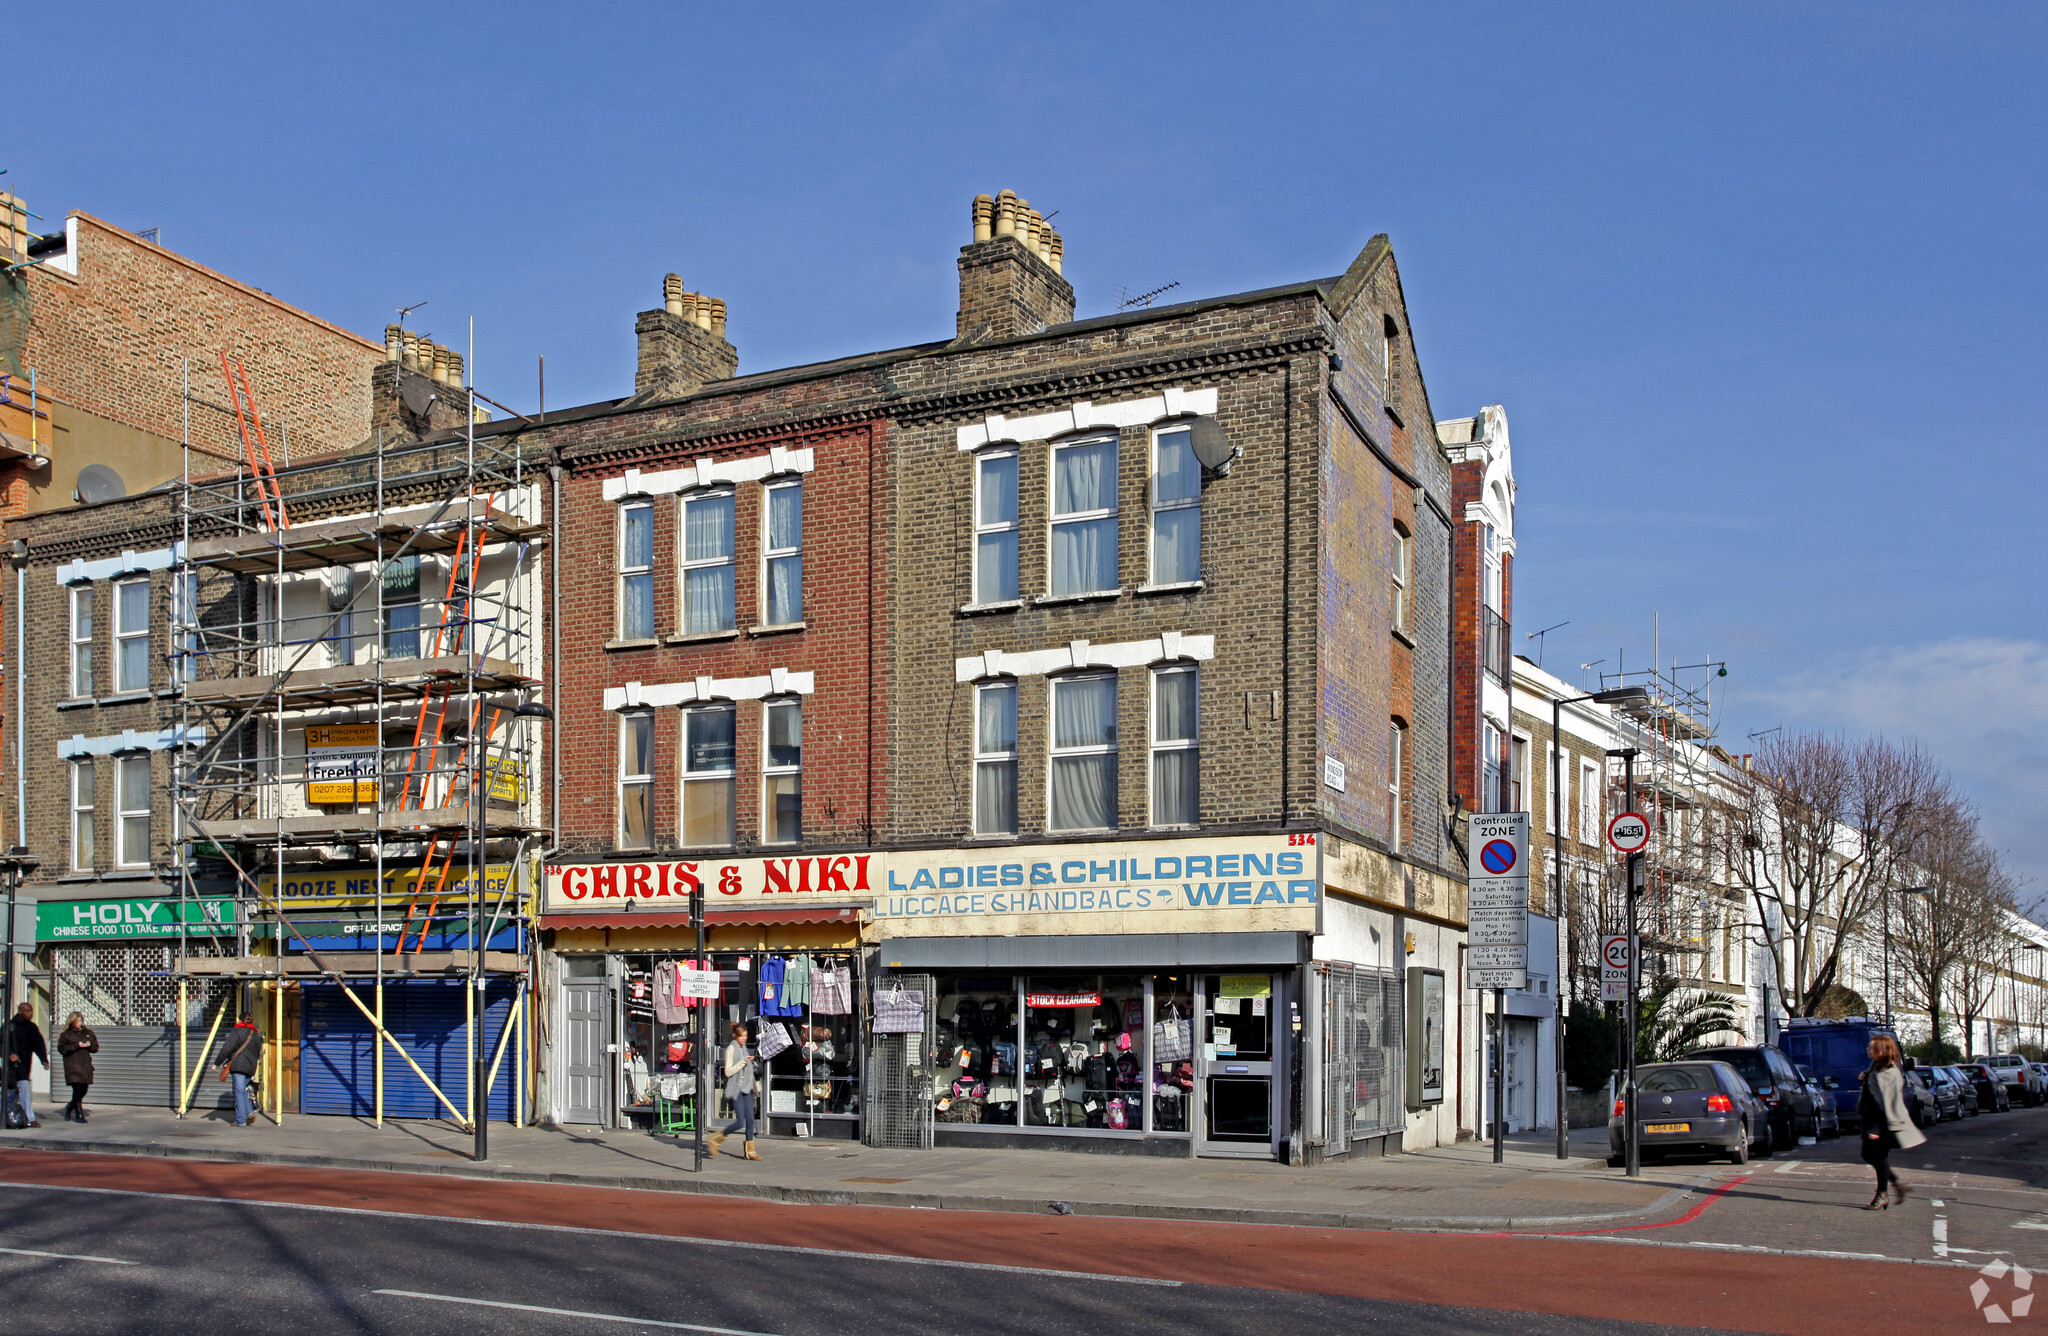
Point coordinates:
[(98, 920), (1259, 883)]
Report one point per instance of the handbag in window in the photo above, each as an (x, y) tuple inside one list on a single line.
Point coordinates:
[(774, 1038), (899, 1011), (1172, 1037)]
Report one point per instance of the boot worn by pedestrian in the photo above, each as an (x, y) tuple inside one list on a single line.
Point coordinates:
[(1899, 1191), (717, 1140), (1878, 1203), (751, 1153)]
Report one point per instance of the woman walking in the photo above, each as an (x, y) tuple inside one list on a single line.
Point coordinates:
[(77, 1044), (1886, 1125), (738, 1065)]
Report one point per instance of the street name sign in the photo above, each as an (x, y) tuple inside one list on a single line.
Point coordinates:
[(1497, 908)]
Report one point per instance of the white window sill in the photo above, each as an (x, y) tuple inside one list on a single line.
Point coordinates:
[(779, 629), (126, 697), (1004, 605), (648, 642), (999, 837), (703, 637), (1401, 634), (1097, 596), (1177, 587)]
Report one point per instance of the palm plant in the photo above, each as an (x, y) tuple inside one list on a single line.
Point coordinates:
[(1674, 1019)]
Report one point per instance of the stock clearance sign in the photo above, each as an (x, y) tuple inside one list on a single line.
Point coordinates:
[(1248, 883)]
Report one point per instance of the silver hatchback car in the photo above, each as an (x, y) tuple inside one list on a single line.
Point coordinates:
[(1697, 1107)]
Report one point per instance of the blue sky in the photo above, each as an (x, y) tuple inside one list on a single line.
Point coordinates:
[(1760, 285)]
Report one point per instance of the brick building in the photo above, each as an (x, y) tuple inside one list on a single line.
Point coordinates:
[(1225, 523)]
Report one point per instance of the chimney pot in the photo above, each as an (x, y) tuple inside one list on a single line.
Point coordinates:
[(393, 343), (672, 294), (441, 356), (1003, 293), (409, 353), (984, 217), (1006, 215), (718, 316), (703, 312), (455, 369), (1059, 249)]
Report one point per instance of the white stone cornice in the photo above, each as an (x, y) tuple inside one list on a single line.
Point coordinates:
[(643, 695), (706, 472), (1169, 646), (1082, 415)]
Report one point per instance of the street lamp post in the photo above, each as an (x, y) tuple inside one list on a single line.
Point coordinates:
[(1616, 696)]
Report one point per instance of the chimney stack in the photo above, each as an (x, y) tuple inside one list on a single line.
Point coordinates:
[(682, 345), (1011, 283)]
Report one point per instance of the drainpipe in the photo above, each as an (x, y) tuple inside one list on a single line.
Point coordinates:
[(20, 559), (555, 656)]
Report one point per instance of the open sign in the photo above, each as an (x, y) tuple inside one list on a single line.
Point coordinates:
[(1628, 833)]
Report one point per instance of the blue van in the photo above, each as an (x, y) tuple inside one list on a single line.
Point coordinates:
[(1840, 1049)]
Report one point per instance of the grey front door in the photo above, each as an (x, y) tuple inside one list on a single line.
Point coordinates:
[(586, 1074)]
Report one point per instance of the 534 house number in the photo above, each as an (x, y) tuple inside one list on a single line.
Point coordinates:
[(1306, 837)]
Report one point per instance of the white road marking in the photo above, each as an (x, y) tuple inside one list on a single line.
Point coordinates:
[(415, 1217), (1790, 1166), (1937, 1203), (1941, 1236), (570, 1312), (67, 1257)]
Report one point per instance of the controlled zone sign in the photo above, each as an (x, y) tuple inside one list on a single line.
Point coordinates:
[(1614, 955), (1497, 913), (1628, 832)]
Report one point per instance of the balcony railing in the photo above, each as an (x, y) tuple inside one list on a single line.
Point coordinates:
[(1498, 653)]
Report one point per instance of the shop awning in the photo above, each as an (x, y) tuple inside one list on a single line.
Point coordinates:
[(767, 916)]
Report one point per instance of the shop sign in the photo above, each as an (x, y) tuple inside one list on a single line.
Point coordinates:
[(1257, 883), (1246, 985), (341, 763), (358, 888), (1062, 999), (573, 888), (94, 920)]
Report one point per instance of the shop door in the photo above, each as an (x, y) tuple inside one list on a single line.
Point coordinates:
[(586, 1073), (1234, 1057)]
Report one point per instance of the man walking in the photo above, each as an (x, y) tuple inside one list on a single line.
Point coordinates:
[(239, 1054), (25, 1041)]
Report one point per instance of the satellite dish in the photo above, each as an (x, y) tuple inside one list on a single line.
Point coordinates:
[(417, 392), (97, 483), (1211, 444)]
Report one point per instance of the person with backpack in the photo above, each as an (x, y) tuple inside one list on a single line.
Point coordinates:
[(77, 1044), (737, 1063), (240, 1053), (25, 1041), (1887, 1126)]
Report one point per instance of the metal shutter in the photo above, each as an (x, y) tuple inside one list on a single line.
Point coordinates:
[(337, 1057), (897, 1112)]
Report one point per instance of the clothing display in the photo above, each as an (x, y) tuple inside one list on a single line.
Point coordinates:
[(796, 984), (832, 991)]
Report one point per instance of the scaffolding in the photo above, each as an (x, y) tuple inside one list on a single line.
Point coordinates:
[(356, 665)]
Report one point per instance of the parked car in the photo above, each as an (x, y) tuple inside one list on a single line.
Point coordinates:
[(1947, 1091), (2022, 1083), (1965, 1091), (1840, 1049), (1776, 1084), (1700, 1107), (1822, 1090), (1992, 1094), (1920, 1102)]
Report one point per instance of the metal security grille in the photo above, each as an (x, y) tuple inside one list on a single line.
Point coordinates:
[(133, 984), (1364, 1054), (898, 1108)]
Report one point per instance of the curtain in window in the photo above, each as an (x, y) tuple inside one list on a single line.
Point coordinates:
[(1174, 773), (707, 529), (707, 812), (1084, 556), (707, 593), (785, 590), (1179, 477), (133, 616), (999, 490), (1084, 787), (135, 798), (995, 567), (995, 782), (1177, 545), (81, 825), (1084, 478), (785, 518)]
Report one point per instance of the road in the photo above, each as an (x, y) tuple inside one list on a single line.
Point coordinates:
[(96, 1243)]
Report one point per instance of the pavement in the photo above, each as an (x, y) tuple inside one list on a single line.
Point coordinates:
[(1450, 1188)]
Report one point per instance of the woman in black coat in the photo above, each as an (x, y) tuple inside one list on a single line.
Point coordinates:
[(77, 1044)]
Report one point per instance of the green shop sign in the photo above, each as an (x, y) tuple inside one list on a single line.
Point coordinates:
[(88, 920)]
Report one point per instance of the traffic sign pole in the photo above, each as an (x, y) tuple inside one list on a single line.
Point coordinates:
[(1633, 1129)]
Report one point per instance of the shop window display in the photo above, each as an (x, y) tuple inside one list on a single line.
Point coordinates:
[(1172, 1052)]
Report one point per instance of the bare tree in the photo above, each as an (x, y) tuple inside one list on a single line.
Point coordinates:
[(1950, 938), (1817, 838)]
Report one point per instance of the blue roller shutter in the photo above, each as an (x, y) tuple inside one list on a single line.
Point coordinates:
[(338, 1062)]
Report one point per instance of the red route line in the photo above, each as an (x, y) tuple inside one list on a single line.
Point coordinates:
[(1686, 1219), (1520, 1273)]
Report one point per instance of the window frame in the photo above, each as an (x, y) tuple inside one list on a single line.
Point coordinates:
[(1590, 789), (1555, 774), (1054, 753), (685, 564), (730, 776), (625, 573), (984, 756), (84, 766), (771, 555), (123, 814), (771, 771), (1518, 789), (1012, 526), (1397, 789), (1492, 766), (388, 632), (1403, 554), (1154, 506), (123, 639), (1114, 514), (1154, 746), (82, 598), (642, 781)]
